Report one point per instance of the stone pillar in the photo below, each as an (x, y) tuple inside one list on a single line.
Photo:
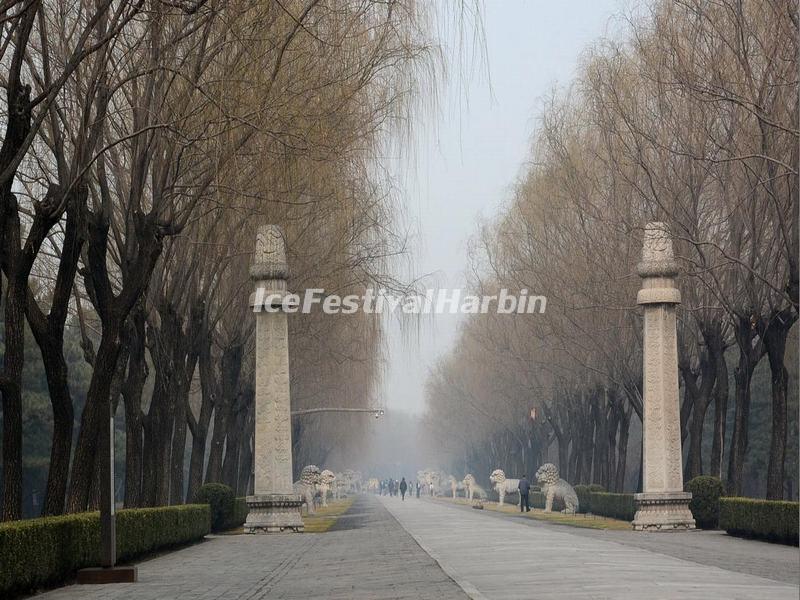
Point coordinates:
[(274, 507), (663, 505)]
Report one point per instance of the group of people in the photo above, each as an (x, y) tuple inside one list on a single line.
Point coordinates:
[(392, 487)]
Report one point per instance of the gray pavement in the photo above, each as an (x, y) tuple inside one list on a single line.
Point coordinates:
[(494, 555), (366, 555), (383, 548), (713, 548)]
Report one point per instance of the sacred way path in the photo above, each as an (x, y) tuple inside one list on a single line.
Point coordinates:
[(495, 555), (383, 548)]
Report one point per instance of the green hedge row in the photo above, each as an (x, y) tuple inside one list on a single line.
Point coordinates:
[(227, 511), (221, 500), (616, 506), (772, 520), (40, 552), (706, 491), (238, 515), (539, 499)]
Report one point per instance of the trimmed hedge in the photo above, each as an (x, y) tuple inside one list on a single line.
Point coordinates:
[(222, 501), (772, 520), (592, 499), (706, 491), (238, 515), (40, 552), (538, 500), (584, 498), (616, 506)]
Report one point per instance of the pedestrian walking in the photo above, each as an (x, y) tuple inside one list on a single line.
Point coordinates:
[(524, 494), (403, 488)]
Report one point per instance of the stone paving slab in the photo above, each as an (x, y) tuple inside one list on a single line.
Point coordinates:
[(779, 562), (495, 557), (366, 556)]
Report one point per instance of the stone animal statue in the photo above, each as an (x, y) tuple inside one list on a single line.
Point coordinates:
[(358, 482), (326, 479), (338, 485), (454, 485), (503, 485), (350, 478), (430, 477), (554, 487), (471, 487), (306, 487)]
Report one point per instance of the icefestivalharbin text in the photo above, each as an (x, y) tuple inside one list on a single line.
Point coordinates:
[(433, 301)]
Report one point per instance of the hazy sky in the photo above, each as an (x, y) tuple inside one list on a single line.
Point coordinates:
[(468, 156)]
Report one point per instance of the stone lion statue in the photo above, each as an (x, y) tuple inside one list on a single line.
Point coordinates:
[(432, 478), (350, 479), (503, 485), (554, 487), (455, 485), (338, 485), (471, 487), (326, 479), (306, 487)]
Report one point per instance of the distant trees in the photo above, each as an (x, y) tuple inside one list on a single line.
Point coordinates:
[(691, 119), (144, 142)]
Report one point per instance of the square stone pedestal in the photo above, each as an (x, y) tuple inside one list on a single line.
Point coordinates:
[(663, 511), (274, 513), (100, 575)]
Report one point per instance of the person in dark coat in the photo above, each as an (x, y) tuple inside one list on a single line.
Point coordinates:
[(524, 494), (403, 488)]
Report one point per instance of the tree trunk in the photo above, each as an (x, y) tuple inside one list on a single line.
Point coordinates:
[(86, 448), (246, 454), (199, 428), (622, 452), (775, 336), (743, 374), (701, 395), (132, 399), (13, 361), (231, 366), (63, 417), (179, 436), (176, 483), (721, 392), (17, 126)]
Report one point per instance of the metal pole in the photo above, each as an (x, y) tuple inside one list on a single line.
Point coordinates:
[(108, 530), (311, 411)]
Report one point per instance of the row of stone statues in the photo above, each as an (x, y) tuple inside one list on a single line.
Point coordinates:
[(314, 481), (552, 486)]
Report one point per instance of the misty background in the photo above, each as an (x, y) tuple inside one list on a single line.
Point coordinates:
[(466, 155)]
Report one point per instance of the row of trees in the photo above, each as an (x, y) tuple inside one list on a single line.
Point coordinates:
[(690, 117), (143, 143)]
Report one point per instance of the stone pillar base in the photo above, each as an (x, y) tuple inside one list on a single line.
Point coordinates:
[(663, 511), (274, 513)]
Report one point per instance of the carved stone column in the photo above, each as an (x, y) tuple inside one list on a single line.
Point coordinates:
[(663, 505), (273, 506)]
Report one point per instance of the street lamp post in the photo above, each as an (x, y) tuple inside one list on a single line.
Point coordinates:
[(108, 571)]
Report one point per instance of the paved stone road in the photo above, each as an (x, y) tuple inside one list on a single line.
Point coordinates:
[(367, 555), (496, 556)]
